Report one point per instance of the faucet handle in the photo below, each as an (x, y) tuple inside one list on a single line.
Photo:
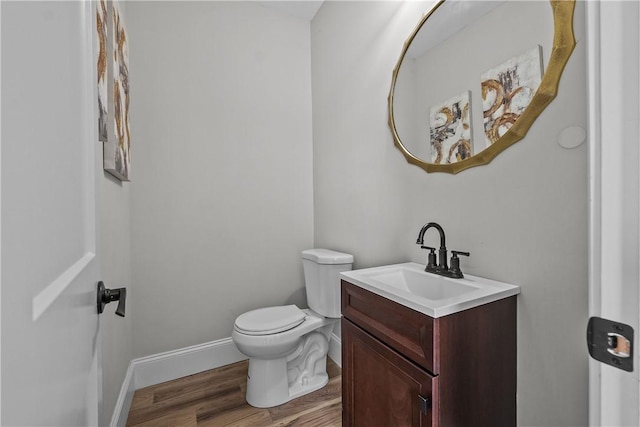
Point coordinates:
[(431, 259), (456, 253), (455, 264)]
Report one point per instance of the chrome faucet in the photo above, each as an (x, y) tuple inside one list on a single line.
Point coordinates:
[(441, 267)]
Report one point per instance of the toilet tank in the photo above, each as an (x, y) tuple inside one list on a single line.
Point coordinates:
[(321, 268)]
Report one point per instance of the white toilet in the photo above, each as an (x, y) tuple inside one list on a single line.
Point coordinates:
[(287, 346)]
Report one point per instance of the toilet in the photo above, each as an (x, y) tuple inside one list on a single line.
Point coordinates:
[(287, 346)]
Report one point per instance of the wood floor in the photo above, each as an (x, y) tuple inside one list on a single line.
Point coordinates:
[(216, 398)]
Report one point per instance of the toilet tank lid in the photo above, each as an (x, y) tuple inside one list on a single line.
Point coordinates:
[(327, 256)]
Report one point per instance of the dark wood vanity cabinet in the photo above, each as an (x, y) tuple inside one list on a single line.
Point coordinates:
[(404, 368)]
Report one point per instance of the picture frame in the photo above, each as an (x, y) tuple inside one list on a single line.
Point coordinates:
[(113, 90), (507, 90)]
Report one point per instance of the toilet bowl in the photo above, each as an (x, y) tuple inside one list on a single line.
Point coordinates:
[(287, 364), (287, 346)]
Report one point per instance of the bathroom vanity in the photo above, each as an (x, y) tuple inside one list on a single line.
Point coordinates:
[(455, 366)]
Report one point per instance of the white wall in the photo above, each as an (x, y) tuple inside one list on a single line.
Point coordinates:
[(523, 217), (221, 193)]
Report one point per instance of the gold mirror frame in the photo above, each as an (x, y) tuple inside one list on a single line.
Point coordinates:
[(563, 45)]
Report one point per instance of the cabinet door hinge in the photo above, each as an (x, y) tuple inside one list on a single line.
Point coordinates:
[(423, 404)]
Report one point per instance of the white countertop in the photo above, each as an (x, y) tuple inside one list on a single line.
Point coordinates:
[(431, 294)]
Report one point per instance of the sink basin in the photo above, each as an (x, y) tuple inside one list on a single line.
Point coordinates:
[(436, 296), (420, 283)]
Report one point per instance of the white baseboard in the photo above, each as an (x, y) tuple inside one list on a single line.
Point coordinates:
[(335, 349), (158, 368), (123, 404), (170, 365)]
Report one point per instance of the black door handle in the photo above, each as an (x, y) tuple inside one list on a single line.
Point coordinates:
[(105, 296)]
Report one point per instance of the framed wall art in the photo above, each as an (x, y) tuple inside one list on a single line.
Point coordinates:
[(113, 90), (450, 129), (507, 90)]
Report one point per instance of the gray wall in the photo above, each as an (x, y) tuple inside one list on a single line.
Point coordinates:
[(222, 199), (114, 246), (523, 217)]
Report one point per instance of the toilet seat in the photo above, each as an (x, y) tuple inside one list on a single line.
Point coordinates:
[(269, 320)]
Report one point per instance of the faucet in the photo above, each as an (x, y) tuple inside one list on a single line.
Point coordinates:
[(441, 267)]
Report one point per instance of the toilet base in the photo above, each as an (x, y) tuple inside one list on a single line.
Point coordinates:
[(265, 389), (273, 382), (266, 384)]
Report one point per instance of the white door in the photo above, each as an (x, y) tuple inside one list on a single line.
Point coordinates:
[(50, 330), (614, 86)]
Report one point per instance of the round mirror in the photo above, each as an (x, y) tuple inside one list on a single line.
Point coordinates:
[(473, 77)]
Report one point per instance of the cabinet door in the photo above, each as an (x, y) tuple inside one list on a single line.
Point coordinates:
[(380, 388)]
